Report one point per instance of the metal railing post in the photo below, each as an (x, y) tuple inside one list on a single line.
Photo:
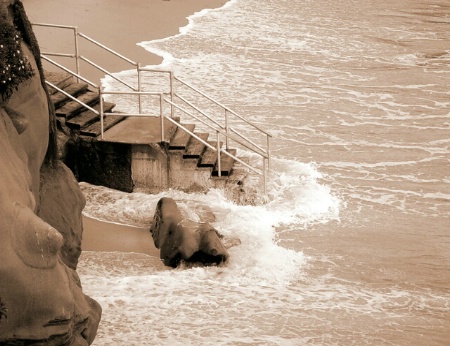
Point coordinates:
[(264, 177), (100, 93), (219, 166), (172, 92), (161, 115), (226, 129), (138, 70), (77, 53)]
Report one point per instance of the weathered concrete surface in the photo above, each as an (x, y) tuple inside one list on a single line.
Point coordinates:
[(181, 239)]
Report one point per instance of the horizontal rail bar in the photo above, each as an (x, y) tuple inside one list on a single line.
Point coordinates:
[(55, 26), (106, 72), (198, 110), (64, 55), (133, 115), (107, 49), (69, 71), (73, 98), (147, 69), (131, 92)]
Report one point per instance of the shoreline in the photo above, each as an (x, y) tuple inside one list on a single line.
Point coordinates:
[(118, 25)]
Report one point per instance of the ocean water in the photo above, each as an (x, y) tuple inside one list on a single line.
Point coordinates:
[(353, 246)]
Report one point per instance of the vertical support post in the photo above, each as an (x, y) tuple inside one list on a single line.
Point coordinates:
[(268, 153), (77, 53), (161, 115), (138, 70), (264, 176), (172, 108), (100, 93), (219, 166), (226, 130)]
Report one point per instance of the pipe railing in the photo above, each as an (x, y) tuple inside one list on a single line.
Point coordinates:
[(224, 130), (79, 57), (72, 98), (263, 152)]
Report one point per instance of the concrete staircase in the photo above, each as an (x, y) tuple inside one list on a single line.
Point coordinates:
[(83, 125), (72, 114)]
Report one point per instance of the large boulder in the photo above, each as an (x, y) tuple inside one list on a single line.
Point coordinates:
[(41, 299), (180, 239)]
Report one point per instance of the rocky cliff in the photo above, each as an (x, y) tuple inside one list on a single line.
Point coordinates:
[(41, 298)]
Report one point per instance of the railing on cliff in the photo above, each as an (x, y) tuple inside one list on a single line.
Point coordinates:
[(223, 128)]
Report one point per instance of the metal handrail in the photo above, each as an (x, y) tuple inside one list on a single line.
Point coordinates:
[(225, 130), (72, 98), (213, 148), (221, 131), (107, 49), (198, 110), (69, 71), (221, 105), (106, 72), (191, 115), (77, 56), (263, 152)]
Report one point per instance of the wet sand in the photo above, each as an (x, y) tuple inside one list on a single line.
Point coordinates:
[(105, 236)]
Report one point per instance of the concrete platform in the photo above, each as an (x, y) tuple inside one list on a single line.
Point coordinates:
[(138, 130)]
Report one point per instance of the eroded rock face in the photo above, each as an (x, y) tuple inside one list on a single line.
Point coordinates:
[(181, 239), (41, 300)]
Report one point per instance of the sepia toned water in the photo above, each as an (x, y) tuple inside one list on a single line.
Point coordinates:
[(353, 247)]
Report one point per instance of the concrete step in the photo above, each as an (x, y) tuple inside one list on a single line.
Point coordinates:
[(60, 79), (88, 117), (226, 164), (72, 108), (73, 89), (195, 148), (94, 130), (181, 138), (209, 157)]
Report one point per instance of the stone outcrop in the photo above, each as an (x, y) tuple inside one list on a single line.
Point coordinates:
[(180, 239), (41, 298)]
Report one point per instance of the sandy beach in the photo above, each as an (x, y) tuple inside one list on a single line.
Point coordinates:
[(105, 236), (119, 25)]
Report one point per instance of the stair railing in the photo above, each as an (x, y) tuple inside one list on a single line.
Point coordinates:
[(228, 132), (76, 54), (218, 133), (225, 130)]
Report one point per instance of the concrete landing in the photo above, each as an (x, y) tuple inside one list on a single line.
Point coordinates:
[(138, 130)]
